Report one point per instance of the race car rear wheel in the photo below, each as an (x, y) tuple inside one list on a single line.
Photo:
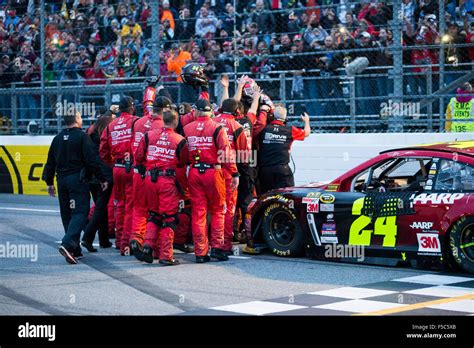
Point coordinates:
[(282, 231), (461, 244)]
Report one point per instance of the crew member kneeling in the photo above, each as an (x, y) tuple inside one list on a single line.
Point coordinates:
[(162, 151), (274, 152)]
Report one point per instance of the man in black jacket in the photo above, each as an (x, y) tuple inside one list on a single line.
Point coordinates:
[(70, 154)]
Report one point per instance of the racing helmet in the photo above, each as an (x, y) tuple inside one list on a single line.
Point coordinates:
[(193, 74), (248, 92)]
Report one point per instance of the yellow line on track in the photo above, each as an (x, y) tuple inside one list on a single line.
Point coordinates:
[(418, 305)]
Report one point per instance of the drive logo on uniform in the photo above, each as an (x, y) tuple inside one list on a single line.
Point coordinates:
[(199, 140), (37, 331), (422, 225), (428, 242)]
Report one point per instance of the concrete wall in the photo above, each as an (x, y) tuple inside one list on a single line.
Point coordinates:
[(321, 157)]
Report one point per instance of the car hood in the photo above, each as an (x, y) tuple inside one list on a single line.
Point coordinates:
[(299, 191)]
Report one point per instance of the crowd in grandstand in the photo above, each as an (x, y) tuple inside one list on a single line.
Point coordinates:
[(109, 39)]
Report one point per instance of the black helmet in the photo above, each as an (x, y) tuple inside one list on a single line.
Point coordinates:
[(193, 74)]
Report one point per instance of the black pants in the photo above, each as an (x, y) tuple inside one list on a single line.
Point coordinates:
[(275, 177), (246, 188), (99, 221), (74, 205)]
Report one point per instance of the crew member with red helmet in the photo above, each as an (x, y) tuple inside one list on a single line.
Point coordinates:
[(208, 145), (162, 151), (240, 147), (115, 151), (152, 119)]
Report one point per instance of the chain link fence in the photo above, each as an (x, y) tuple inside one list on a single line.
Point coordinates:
[(303, 53)]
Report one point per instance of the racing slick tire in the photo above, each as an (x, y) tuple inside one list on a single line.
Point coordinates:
[(461, 244), (282, 231)]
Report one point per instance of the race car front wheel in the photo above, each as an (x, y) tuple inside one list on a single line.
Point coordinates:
[(461, 244), (282, 231)]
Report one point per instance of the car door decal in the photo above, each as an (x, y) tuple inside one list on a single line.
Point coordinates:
[(384, 225)]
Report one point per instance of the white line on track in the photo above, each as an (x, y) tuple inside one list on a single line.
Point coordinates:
[(239, 257), (28, 209)]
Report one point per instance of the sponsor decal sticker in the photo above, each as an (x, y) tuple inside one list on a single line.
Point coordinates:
[(438, 198), (329, 227), (307, 200), (325, 239), (313, 194), (330, 217), (422, 225), (312, 207), (327, 198), (326, 207), (428, 243), (333, 188), (432, 172)]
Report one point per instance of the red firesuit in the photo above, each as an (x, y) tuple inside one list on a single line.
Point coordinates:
[(115, 150), (111, 214), (148, 122), (238, 145), (162, 151), (207, 140), (191, 116)]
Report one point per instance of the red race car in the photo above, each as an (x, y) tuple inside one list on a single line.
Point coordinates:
[(405, 206)]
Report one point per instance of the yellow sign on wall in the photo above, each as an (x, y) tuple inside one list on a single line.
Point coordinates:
[(21, 167)]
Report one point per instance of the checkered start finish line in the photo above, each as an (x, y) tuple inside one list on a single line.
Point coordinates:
[(428, 294)]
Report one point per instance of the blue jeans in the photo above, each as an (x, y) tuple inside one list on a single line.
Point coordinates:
[(28, 107), (366, 87), (311, 92), (5, 105)]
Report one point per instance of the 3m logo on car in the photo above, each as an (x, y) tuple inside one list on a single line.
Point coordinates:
[(428, 242)]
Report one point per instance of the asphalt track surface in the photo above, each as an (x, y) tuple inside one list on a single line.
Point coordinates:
[(106, 283)]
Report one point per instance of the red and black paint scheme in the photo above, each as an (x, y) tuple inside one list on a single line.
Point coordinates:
[(411, 206)]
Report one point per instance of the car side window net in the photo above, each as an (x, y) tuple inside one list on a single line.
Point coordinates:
[(454, 176)]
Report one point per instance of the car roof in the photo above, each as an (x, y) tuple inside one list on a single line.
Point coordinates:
[(465, 147)]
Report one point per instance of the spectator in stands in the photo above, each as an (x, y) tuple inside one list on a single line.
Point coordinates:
[(186, 25), (285, 44), (206, 24), (329, 19), (177, 60), (227, 19), (330, 87), (227, 56), (167, 15), (264, 19), (130, 27), (424, 59), (455, 56)]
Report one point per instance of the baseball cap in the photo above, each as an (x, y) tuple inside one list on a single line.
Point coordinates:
[(203, 105), (162, 102), (125, 103), (366, 35)]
